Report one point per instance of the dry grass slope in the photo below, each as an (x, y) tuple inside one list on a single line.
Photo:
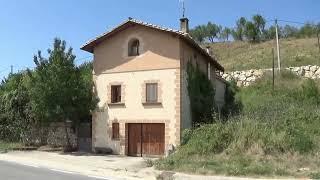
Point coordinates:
[(243, 56)]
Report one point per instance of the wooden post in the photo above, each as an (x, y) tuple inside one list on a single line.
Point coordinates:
[(318, 38), (272, 69), (278, 46)]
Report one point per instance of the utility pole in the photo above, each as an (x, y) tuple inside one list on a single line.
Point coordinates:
[(11, 67), (278, 48)]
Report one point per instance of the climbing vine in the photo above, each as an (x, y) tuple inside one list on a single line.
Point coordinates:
[(201, 94)]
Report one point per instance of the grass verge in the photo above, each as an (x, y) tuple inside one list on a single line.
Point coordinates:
[(6, 146), (276, 135)]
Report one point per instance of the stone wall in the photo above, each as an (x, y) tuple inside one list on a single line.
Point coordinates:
[(245, 78), (57, 136)]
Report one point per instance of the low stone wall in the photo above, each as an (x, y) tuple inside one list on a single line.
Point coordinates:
[(245, 78), (57, 136)]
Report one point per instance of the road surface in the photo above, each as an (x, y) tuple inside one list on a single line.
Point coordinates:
[(13, 171)]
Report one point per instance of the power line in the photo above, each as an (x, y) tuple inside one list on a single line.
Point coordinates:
[(295, 22)]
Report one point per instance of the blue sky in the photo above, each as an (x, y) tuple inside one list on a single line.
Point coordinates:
[(29, 26)]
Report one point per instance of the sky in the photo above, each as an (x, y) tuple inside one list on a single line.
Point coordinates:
[(29, 26)]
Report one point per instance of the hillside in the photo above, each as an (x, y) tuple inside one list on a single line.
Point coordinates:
[(244, 56), (276, 134)]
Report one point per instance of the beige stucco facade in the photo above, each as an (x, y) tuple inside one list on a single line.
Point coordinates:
[(163, 58)]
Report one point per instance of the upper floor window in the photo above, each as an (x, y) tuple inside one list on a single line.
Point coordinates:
[(152, 92), (115, 93), (133, 47)]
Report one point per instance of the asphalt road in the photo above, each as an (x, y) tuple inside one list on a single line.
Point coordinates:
[(13, 171)]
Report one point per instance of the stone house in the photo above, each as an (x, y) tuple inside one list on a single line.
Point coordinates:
[(139, 72)]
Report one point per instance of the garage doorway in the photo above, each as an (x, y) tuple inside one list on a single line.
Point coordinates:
[(146, 139)]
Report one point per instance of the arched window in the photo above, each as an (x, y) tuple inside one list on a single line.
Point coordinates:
[(133, 47)]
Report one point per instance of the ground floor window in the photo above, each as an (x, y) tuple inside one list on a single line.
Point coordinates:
[(115, 131)]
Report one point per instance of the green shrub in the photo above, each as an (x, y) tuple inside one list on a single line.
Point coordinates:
[(186, 135)]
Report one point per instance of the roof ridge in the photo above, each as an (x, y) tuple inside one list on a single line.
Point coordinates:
[(155, 25), (185, 35)]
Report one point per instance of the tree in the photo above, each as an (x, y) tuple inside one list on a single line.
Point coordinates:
[(199, 33), (224, 35), (290, 31), (270, 33), (251, 32), (239, 31), (259, 23), (212, 31), (59, 92), (307, 30), (15, 115)]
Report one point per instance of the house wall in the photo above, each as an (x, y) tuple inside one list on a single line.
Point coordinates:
[(159, 50), (133, 110), (158, 61), (187, 53)]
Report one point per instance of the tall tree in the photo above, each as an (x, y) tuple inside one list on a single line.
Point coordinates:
[(239, 31), (199, 33), (212, 31), (251, 32), (225, 34), (259, 22), (59, 93)]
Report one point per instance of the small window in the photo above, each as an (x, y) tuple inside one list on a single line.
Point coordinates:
[(152, 92), (115, 131), (115, 93), (133, 48)]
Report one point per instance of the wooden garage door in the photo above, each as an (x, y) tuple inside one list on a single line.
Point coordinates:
[(152, 137)]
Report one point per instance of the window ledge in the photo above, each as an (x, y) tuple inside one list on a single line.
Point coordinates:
[(116, 104), (151, 103)]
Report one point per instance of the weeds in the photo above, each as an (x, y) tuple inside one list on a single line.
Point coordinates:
[(276, 134)]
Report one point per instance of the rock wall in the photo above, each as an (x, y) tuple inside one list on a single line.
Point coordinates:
[(57, 136), (245, 78)]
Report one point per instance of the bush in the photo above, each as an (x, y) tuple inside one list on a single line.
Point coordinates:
[(186, 135)]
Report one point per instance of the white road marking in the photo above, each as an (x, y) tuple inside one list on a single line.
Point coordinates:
[(62, 171), (98, 177)]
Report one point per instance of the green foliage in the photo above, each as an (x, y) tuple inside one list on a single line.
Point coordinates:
[(225, 34), (60, 91), (232, 105), (5, 146), (186, 135), (57, 90), (15, 114), (201, 94), (199, 33), (254, 30), (276, 133), (239, 32), (212, 31)]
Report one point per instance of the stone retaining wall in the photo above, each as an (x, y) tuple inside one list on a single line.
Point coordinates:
[(245, 78)]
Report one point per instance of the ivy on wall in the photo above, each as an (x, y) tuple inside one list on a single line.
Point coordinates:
[(201, 94)]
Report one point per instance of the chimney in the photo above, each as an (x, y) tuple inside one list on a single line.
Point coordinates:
[(208, 49), (184, 25)]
